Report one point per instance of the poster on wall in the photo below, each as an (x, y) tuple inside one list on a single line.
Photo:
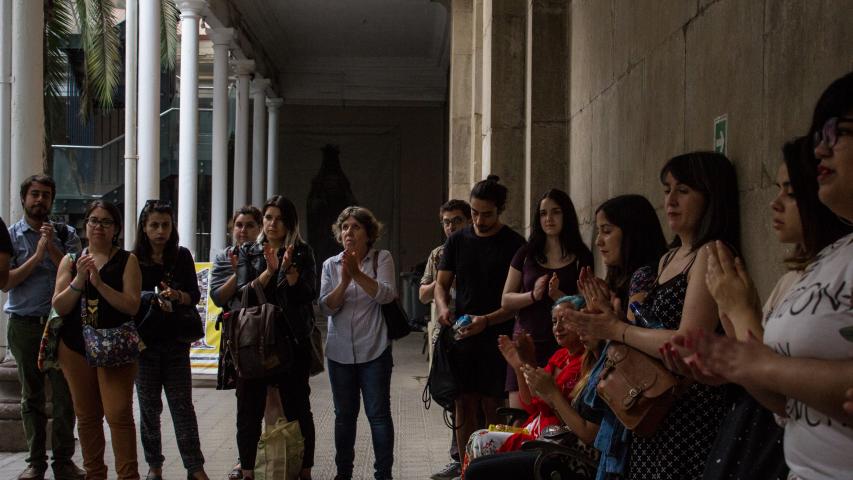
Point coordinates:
[(204, 352)]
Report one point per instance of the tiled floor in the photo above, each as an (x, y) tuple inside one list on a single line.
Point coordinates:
[(420, 448)]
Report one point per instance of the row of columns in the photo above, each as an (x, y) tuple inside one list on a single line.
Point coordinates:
[(507, 114)]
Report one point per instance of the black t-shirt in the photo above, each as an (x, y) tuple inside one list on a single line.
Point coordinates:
[(480, 265), (5, 239)]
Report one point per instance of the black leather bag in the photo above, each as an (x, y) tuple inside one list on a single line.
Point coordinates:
[(395, 317), (258, 340)]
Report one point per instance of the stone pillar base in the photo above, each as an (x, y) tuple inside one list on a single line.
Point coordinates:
[(13, 438)]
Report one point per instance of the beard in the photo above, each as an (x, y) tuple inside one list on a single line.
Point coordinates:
[(37, 212)]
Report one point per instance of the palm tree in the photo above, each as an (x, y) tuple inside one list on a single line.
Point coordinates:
[(100, 45)]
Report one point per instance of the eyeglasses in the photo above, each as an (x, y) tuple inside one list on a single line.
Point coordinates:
[(452, 221), (828, 135), (100, 222)]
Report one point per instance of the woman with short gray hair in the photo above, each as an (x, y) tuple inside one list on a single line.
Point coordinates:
[(354, 284)]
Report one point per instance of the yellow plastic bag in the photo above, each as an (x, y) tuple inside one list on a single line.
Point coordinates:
[(280, 451)]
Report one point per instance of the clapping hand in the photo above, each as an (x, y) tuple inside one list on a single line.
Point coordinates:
[(595, 291), (539, 381), (734, 360), (604, 324), (350, 264), (678, 356), (539, 287), (554, 291), (86, 265), (848, 404), (518, 350), (729, 283), (271, 257)]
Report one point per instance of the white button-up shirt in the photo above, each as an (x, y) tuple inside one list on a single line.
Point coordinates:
[(357, 331)]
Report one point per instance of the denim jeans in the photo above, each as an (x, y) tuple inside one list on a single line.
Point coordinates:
[(373, 380), (24, 336)]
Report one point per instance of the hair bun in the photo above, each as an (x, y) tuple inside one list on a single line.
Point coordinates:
[(494, 178)]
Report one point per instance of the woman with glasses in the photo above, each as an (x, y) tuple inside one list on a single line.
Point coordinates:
[(245, 227), (109, 279), (282, 264), (168, 327), (542, 271), (804, 364)]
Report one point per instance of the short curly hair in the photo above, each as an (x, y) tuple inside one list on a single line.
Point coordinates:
[(363, 216)]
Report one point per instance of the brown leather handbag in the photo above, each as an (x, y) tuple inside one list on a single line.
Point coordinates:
[(258, 339), (637, 388)]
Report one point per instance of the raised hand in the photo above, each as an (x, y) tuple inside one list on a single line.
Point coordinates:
[(678, 356), (287, 260), (539, 381), (554, 291), (525, 346), (234, 258), (539, 287), (509, 351), (350, 263), (604, 325), (271, 257), (729, 283)]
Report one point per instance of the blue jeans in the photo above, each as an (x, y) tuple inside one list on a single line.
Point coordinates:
[(373, 380)]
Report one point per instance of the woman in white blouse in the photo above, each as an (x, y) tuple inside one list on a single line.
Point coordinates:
[(353, 286)]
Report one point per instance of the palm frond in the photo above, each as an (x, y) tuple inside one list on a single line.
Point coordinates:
[(101, 47), (168, 33), (58, 24)]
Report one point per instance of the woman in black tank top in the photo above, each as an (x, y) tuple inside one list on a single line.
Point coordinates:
[(701, 204), (110, 275)]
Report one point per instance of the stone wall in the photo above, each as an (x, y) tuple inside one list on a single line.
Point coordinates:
[(648, 77)]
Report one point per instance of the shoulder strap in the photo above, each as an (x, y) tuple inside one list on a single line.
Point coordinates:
[(375, 263)]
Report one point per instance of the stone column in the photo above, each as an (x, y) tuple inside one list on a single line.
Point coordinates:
[(149, 103), (5, 106), (460, 136), (27, 117), (131, 157), (219, 213), (273, 105), (259, 142), (244, 69), (546, 101), (188, 130), (503, 97)]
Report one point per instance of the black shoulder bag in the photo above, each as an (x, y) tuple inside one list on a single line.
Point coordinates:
[(395, 317)]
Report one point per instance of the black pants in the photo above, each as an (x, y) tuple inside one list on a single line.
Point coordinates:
[(295, 392)]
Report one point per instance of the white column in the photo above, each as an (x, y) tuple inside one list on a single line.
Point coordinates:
[(188, 129), (259, 131), (219, 214), (5, 107), (27, 118), (149, 103), (273, 105), (243, 69), (130, 117)]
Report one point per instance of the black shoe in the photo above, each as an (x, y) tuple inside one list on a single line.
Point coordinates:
[(153, 476), (450, 471), (68, 471)]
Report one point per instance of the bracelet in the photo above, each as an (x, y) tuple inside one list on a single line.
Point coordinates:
[(72, 287)]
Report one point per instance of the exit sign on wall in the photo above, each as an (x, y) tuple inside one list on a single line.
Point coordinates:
[(721, 134)]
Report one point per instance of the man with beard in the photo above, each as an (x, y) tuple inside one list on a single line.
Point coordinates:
[(478, 258), (38, 246)]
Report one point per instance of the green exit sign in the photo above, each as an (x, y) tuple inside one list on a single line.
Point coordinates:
[(721, 134)]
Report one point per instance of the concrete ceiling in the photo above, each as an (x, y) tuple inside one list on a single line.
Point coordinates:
[(351, 51)]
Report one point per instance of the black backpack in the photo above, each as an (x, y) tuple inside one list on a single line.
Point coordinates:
[(442, 385)]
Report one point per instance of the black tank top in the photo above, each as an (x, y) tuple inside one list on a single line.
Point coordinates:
[(112, 274)]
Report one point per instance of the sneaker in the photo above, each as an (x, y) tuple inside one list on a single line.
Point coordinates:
[(68, 471), (32, 472), (450, 471)]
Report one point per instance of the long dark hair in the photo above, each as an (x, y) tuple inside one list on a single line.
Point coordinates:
[(643, 242), (109, 207), (288, 216), (570, 235), (491, 191), (712, 175), (820, 226), (142, 249), (835, 101)]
